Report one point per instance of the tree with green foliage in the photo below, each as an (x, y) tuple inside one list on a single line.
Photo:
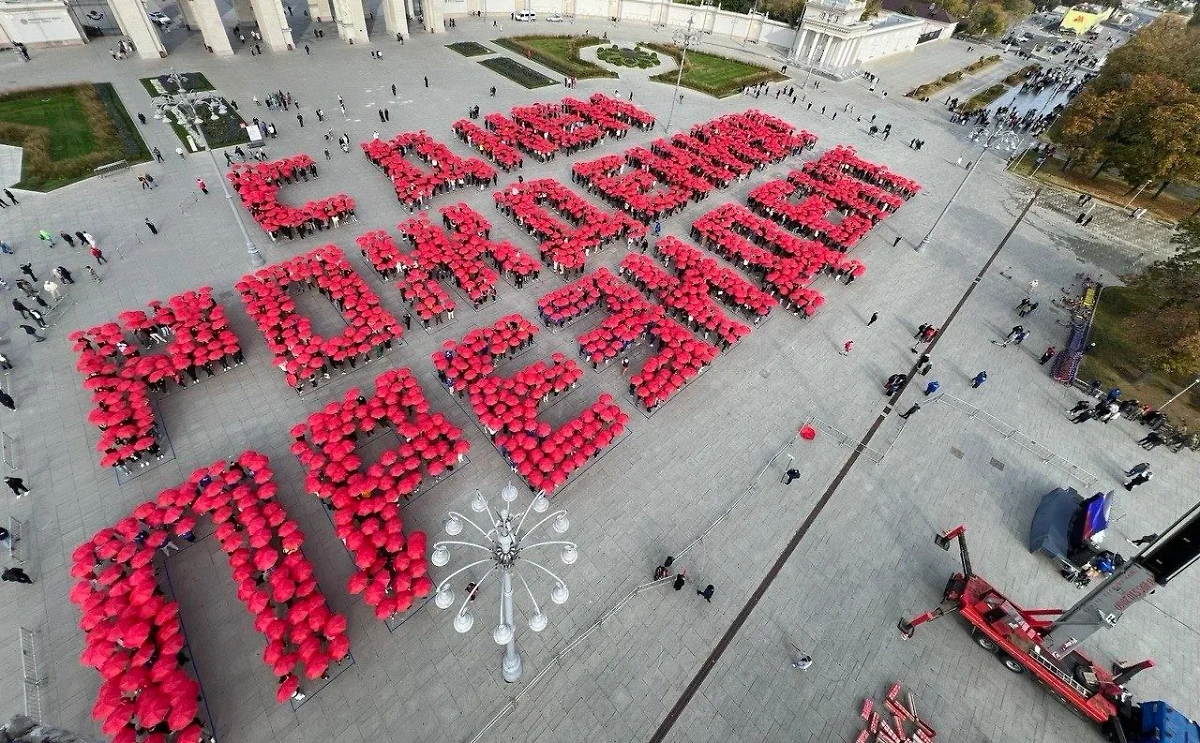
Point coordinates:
[(1141, 114), (1169, 328)]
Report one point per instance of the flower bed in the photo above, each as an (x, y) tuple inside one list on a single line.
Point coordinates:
[(637, 57), (120, 378), (258, 185), (365, 499), (415, 186), (303, 355), (132, 632)]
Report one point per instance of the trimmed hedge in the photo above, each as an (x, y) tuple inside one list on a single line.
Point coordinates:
[(928, 89), (983, 98), (1019, 77), (559, 53), (517, 72)]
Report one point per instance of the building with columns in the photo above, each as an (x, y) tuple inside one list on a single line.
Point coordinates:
[(834, 38)]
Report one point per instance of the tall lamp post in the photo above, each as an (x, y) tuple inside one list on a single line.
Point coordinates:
[(1179, 394), (197, 125), (684, 38), (997, 133), (506, 545)]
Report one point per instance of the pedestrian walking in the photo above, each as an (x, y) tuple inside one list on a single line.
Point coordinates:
[(393, 89), (17, 485), (38, 318), (1083, 416), (19, 306), (1047, 355), (791, 474), (680, 579), (1137, 469), (46, 238), (202, 186), (893, 383), (707, 593), (803, 663), (158, 155), (846, 348), (664, 570), (5, 364), (300, 118), (1144, 540), (32, 332), (427, 81), (979, 379), (911, 411), (1138, 479), (7, 401), (10, 196), (67, 236), (874, 317), (624, 366), (99, 256), (932, 387), (63, 275), (53, 290), (150, 226), (92, 272), (15, 575), (27, 269), (921, 330), (1150, 440)]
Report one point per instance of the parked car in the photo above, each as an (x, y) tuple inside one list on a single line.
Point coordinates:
[(160, 19), (554, 18)]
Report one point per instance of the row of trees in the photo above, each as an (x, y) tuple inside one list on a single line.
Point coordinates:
[(987, 17), (1141, 115), (1167, 323)]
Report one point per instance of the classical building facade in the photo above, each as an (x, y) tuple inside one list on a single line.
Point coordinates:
[(834, 38)]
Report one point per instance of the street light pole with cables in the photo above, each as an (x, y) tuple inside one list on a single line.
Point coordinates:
[(506, 544), (684, 38)]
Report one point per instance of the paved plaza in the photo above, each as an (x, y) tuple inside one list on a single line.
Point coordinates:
[(865, 558)]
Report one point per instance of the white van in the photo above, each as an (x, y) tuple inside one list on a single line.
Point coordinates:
[(527, 16)]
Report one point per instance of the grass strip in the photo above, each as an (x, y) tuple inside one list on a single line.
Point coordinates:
[(559, 53), (68, 131), (517, 72), (712, 74)]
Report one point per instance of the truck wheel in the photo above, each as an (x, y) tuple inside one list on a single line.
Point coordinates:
[(986, 643), (1011, 664)]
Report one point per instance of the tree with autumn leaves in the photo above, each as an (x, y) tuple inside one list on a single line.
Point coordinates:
[(1141, 115), (1167, 321)]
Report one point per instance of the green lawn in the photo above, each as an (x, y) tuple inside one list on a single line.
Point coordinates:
[(68, 131), (559, 53), (469, 49), (717, 76), (517, 72), (1116, 346)]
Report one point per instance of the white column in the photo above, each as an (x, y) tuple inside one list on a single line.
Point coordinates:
[(351, 22), (798, 44), (206, 17), (245, 15), (394, 17), (828, 49), (812, 49), (320, 11), (273, 25), (854, 52), (434, 19), (131, 17)]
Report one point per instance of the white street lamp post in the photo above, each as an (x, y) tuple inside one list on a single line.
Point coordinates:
[(1180, 393), (999, 132), (505, 544), (684, 38), (256, 258)]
